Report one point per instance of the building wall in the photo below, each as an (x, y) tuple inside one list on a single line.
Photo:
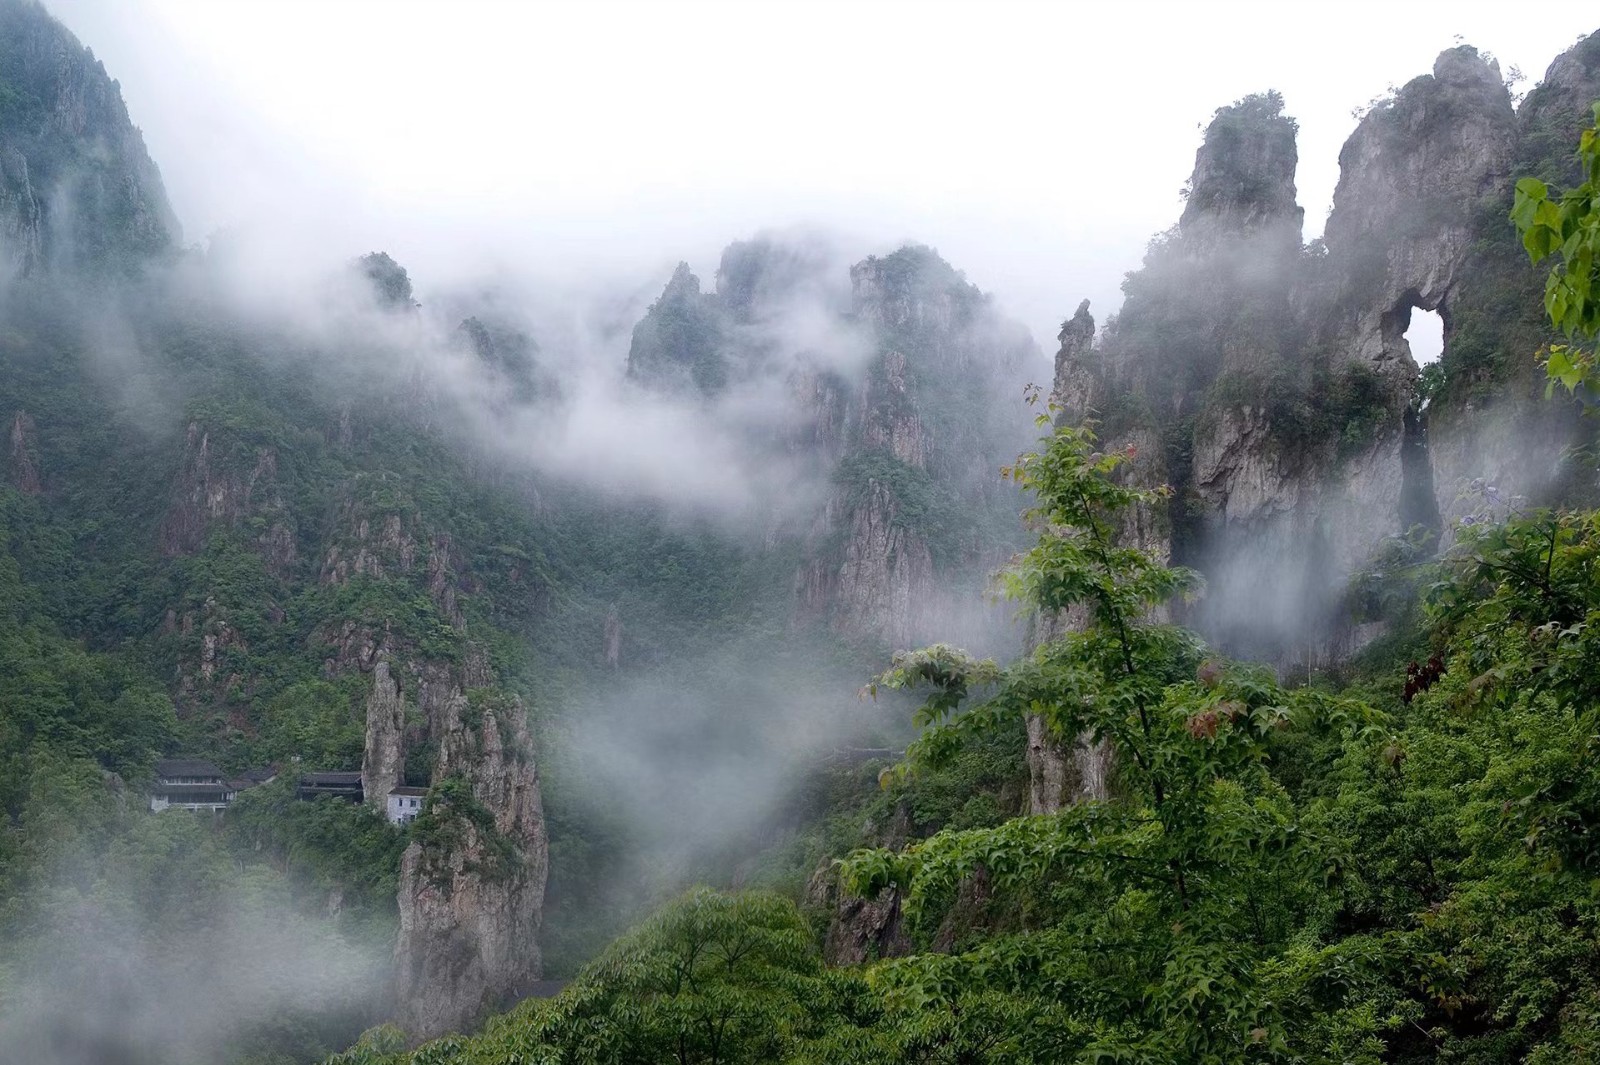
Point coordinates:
[(402, 809)]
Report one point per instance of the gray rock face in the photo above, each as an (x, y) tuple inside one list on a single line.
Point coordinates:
[(902, 401), (1243, 180), (78, 191), (1273, 385), (1557, 110), (383, 759), (1079, 378), (21, 218), (1411, 180), (472, 882), (887, 576), (24, 465), (471, 891), (1493, 424), (221, 483), (860, 929), (865, 930), (922, 438)]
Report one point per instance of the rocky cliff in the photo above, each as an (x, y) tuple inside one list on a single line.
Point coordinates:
[(918, 514), (23, 465), (321, 581), (78, 191), (1274, 379), (902, 397), (678, 345), (472, 881)]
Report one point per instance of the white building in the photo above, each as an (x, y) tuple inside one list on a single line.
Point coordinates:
[(405, 804)]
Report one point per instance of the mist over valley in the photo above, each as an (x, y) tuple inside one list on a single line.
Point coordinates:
[(581, 584)]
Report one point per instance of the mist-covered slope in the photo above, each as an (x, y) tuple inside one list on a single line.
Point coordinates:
[(1374, 847), (334, 526), (607, 595), (77, 189), (1291, 417)]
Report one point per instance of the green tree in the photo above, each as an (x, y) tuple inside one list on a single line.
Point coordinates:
[(710, 979), (1567, 226), (1153, 917)]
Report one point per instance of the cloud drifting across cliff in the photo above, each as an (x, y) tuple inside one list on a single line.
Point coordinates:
[(730, 455)]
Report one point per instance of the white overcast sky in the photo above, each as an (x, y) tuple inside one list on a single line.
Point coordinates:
[(1037, 145)]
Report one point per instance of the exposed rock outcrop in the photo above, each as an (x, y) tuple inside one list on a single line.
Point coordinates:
[(222, 482), (1243, 179), (472, 881), (383, 759), (678, 345), (23, 469), (1272, 385), (78, 192), (21, 217), (905, 402), (865, 930), (1492, 424), (860, 929), (370, 545), (923, 439), (1413, 178)]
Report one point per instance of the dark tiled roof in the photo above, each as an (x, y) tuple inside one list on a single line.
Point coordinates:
[(330, 778), (260, 776), (187, 767), (408, 791)]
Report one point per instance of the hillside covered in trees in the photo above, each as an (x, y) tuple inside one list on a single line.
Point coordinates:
[(1277, 745)]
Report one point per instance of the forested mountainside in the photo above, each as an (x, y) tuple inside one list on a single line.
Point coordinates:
[(1371, 848), (289, 548), (574, 651)]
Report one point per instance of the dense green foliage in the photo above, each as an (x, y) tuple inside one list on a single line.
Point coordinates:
[(1281, 874), (136, 623), (1568, 225), (679, 343)]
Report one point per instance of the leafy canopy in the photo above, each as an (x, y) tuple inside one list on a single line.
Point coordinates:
[(1567, 225)]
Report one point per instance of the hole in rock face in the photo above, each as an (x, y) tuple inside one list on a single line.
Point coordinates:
[(1425, 334)]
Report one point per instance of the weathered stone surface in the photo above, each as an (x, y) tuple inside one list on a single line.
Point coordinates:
[(1412, 179), (887, 575), (221, 482), (24, 465), (78, 191), (472, 890), (1496, 428), (1243, 178), (1079, 377), (862, 929), (21, 218), (866, 930), (1240, 356), (383, 758), (375, 546), (932, 420)]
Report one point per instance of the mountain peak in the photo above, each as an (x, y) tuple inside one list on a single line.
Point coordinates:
[(78, 191)]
